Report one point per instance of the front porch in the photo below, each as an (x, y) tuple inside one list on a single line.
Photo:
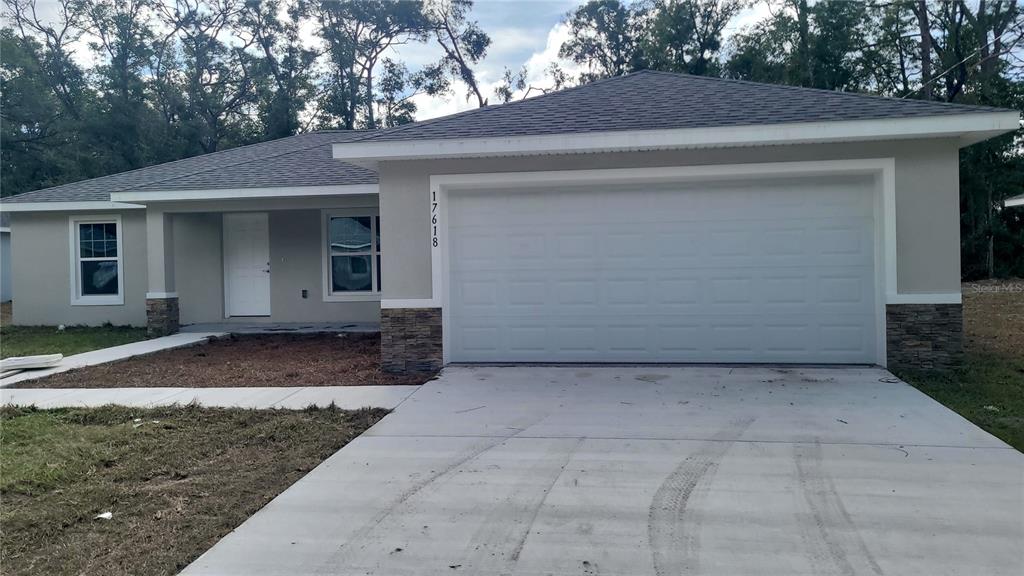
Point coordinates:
[(268, 265)]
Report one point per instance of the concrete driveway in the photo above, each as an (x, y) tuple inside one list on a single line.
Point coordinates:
[(650, 470)]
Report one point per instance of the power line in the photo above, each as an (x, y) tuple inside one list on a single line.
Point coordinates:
[(951, 68)]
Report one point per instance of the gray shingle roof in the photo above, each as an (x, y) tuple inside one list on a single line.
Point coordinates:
[(307, 167), (651, 100), (301, 160), (645, 100)]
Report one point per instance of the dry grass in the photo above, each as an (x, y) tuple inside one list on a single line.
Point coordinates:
[(994, 322), (245, 360), (176, 480), (989, 388)]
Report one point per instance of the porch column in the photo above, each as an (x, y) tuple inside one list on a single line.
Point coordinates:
[(161, 299)]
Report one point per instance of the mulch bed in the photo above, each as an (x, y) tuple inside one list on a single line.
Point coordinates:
[(246, 361)]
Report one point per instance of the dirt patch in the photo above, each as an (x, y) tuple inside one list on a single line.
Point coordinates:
[(175, 480), (247, 361), (994, 317)]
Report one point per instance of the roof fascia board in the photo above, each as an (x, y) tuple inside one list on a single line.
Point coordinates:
[(242, 193), (613, 176), (968, 128), (66, 206)]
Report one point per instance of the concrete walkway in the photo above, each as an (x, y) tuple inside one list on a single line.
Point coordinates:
[(104, 355), (649, 471), (347, 397)]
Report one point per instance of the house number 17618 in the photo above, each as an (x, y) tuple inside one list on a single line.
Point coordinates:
[(433, 218)]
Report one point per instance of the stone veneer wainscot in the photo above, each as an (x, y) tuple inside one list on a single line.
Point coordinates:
[(162, 316), (410, 339), (924, 336)]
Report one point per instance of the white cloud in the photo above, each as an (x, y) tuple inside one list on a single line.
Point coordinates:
[(536, 65), (749, 16)]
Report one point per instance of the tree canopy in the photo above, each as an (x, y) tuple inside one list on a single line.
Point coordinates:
[(112, 85)]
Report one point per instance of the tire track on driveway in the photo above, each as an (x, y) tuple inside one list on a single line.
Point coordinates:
[(497, 544), (673, 527), (343, 556), (833, 525)]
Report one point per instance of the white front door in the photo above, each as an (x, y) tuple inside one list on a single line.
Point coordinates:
[(247, 264)]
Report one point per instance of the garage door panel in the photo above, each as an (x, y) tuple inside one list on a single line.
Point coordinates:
[(530, 338), (770, 292), (781, 272), (527, 293)]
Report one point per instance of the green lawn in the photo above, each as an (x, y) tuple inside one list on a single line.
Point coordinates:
[(176, 479), (31, 340), (987, 390)]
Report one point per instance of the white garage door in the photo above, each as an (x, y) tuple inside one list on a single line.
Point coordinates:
[(771, 271)]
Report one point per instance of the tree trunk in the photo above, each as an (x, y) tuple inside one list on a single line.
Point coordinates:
[(805, 68), (926, 49), (371, 121), (990, 256)]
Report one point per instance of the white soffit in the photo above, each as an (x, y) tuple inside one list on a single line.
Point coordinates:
[(241, 193), (66, 206)]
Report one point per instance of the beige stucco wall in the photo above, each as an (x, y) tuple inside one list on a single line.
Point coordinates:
[(295, 263), (40, 252), (41, 269), (927, 202), (198, 268), (295, 255)]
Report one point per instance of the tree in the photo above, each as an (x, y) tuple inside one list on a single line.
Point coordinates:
[(357, 34), (603, 37), (122, 130), (283, 67), (214, 79), (817, 46), (686, 35), (46, 102), (463, 42), (39, 142), (762, 53), (511, 82), (55, 55)]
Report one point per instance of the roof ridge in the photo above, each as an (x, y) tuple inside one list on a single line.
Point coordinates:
[(335, 131), (793, 87), (504, 105)]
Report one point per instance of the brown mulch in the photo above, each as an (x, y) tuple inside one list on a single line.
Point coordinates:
[(994, 317), (245, 360)]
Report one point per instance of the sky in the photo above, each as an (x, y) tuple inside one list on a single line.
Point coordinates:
[(523, 33)]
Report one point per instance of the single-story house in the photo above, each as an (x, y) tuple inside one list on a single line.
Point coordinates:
[(652, 217)]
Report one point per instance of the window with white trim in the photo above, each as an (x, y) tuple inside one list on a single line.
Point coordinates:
[(351, 255), (97, 270)]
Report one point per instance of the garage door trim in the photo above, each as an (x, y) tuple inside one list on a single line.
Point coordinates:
[(883, 169)]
